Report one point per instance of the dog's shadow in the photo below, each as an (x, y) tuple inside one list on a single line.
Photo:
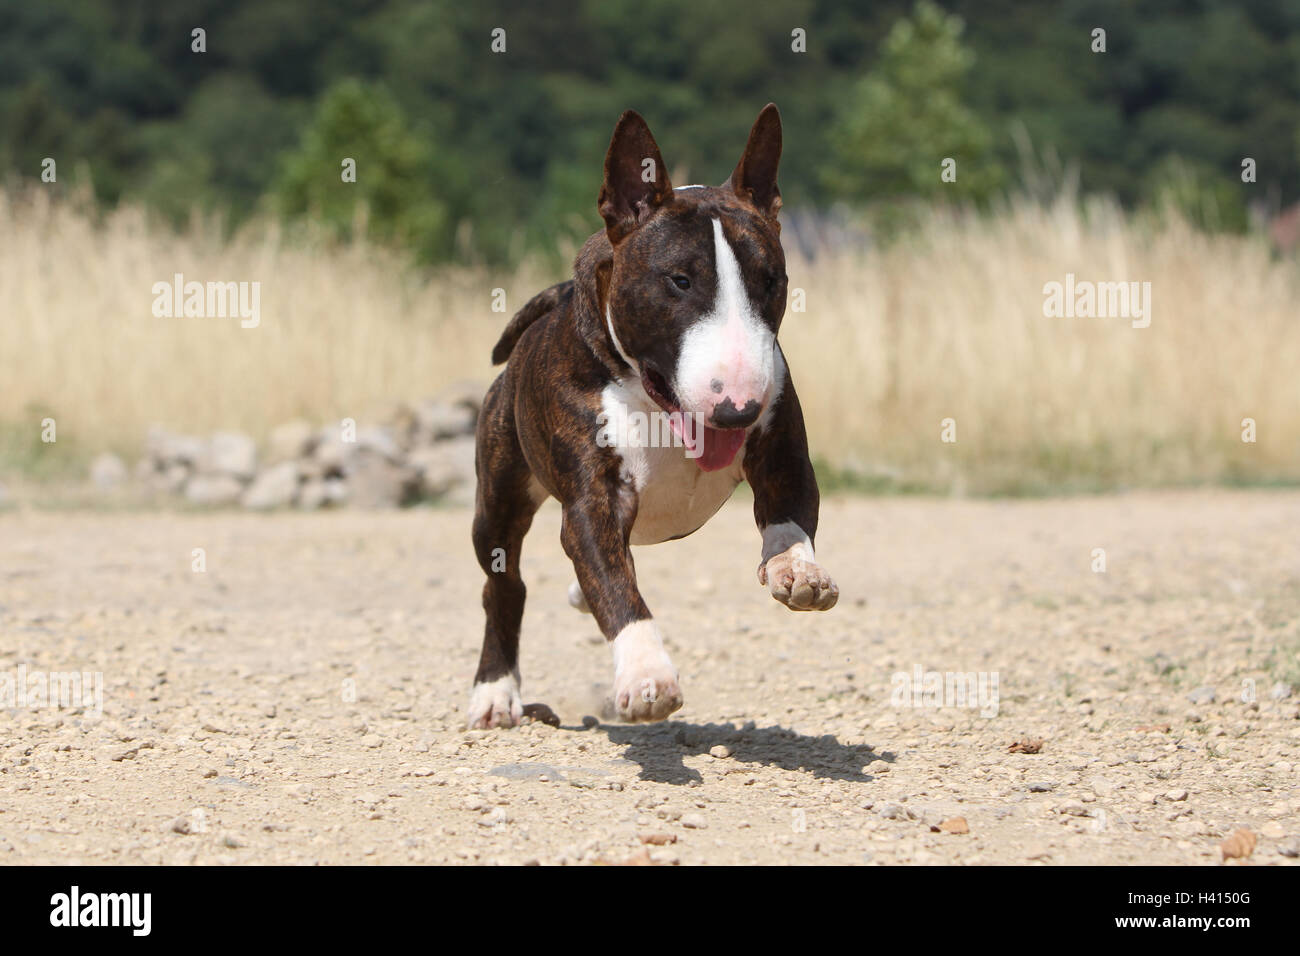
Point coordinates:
[(660, 749)]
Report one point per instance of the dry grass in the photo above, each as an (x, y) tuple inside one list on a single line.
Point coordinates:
[(947, 325), (952, 325)]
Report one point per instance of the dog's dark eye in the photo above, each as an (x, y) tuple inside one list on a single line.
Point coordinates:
[(681, 281), (773, 281)]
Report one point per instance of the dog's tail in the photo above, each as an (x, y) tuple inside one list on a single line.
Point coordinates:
[(538, 306)]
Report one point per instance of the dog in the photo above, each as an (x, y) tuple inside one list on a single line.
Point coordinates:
[(667, 330)]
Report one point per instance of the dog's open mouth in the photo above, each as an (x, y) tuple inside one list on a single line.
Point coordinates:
[(657, 387), (712, 448)]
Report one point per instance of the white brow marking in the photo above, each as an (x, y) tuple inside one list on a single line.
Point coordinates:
[(729, 343), (731, 291)]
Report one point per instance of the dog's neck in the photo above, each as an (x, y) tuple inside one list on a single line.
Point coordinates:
[(591, 275)]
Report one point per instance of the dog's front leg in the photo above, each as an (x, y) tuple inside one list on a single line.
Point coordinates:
[(596, 533), (786, 501)]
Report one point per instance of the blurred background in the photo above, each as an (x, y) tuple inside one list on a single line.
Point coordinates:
[(477, 170)]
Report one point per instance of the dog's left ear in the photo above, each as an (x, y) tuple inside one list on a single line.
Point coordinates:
[(755, 175)]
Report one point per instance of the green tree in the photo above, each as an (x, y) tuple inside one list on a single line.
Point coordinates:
[(394, 191), (905, 117)]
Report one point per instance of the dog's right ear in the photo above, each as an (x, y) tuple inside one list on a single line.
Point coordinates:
[(636, 180)]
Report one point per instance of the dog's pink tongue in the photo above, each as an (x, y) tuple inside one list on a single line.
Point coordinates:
[(712, 448), (719, 447)]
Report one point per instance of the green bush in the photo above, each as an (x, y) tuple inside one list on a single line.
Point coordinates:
[(906, 116), (393, 196)]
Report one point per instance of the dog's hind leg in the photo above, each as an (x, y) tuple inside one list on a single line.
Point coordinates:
[(507, 498)]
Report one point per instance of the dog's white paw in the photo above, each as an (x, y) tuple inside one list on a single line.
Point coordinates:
[(577, 600), (797, 581), (495, 704), (646, 684)]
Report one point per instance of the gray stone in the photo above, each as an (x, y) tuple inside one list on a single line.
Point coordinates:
[(275, 487), (213, 490), (1202, 695), (108, 472), (173, 478), (232, 453), (289, 441), (168, 449), (311, 469), (322, 493), (336, 491), (527, 771), (312, 495), (380, 441), (375, 482), (400, 423), (446, 469), (1280, 691), (332, 452), (438, 420)]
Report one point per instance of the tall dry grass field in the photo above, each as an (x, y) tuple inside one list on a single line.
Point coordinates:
[(949, 324)]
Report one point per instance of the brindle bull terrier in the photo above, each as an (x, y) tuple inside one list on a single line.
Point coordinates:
[(639, 394)]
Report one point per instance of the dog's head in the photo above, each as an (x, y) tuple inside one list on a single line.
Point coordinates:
[(697, 286)]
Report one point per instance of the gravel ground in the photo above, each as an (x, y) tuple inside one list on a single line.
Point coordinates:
[(300, 700)]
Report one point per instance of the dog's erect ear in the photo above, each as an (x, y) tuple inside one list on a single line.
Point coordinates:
[(755, 175), (636, 180)]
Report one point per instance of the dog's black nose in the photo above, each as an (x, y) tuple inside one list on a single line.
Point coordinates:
[(727, 415)]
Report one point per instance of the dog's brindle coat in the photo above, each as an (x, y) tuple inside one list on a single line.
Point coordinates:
[(673, 307)]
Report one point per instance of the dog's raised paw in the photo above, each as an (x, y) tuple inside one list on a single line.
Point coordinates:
[(798, 583), (495, 703), (646, 684)]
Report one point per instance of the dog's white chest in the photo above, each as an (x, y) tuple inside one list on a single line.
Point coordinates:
[(675, 496)]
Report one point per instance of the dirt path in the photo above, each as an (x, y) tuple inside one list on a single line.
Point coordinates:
[(226, 709)]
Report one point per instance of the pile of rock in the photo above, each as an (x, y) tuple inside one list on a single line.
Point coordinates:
[(422, 451)]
